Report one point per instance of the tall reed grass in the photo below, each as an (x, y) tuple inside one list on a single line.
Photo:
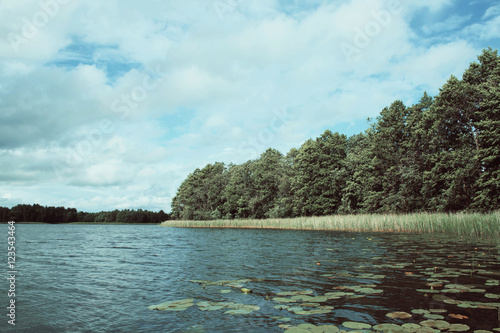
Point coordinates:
[(463, 224)]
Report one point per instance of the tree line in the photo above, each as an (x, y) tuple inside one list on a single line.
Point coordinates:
[(440, 155), (38, 213)]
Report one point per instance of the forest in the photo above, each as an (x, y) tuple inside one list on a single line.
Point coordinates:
[(38, 213), (439, 155)]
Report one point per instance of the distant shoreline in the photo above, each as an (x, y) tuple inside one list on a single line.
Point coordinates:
[(462, 224), (86, 223)]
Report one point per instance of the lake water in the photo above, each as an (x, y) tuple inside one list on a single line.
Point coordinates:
[(102, 278)]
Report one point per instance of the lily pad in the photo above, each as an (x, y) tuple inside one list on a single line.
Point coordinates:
[(438, 324), (467, 305), (309, 299), (433, 316), (399, 315), (457, 316), (356, 326), (335, 294), (311, 312), (281, 307), (460, 287), (326, 329), (296, 330), (458, 328), (393, 328), (411, 328), (311, 328), (238, 311), (293, 293), (179, 305), (284, 300), (368, 290), (306, 326), (430, 291)]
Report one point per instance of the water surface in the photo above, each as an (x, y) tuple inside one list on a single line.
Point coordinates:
[(102, 278)]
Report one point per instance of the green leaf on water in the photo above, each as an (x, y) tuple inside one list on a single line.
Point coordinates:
[(398, 315), (458, 328), (411, 328), (356, 325), (179, 305), (429, 291), (238, 311), (393, 328), (433, 316), (284, 300), (438, 324)]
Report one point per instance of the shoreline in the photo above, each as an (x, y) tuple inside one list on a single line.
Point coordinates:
[(462, 224), (85, 223)]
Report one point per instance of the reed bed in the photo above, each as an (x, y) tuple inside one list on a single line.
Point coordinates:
[(463, 224)]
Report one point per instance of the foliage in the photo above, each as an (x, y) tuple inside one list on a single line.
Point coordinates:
[(37, 213), (441, 154)]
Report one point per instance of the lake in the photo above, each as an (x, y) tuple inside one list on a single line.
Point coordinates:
[(102, 278)]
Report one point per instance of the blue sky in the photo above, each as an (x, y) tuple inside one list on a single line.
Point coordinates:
[(112, 104)]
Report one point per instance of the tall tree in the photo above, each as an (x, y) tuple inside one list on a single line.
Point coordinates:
[(386, 145), (415, 149), (485, 76), (238, 191), (266, 176), (318, 179), (356, 168), (200, 196)]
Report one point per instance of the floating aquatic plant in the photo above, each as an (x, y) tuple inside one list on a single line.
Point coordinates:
[(388, 328), (356, 325), (399, 315), (179, 305), (234, 308), (306, 328)]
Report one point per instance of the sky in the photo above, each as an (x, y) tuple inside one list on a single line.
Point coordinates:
[(110, 104)]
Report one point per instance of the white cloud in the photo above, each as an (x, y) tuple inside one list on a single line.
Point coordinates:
[(484, 31), (492, 11), (451, 23), (207, 86)]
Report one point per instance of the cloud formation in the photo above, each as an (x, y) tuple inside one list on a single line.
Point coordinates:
[(108, 105)]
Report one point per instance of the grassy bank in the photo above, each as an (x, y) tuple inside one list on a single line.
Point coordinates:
[(463, 224)]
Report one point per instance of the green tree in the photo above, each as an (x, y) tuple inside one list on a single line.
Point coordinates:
[(384, 176), (485, 76), (200, 196), (451, 183), (415, 148), (266, 176), (238, 191), (318, 180), (356, 169), (4, 214)]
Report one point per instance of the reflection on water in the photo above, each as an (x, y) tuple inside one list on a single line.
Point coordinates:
[(83, 278)]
